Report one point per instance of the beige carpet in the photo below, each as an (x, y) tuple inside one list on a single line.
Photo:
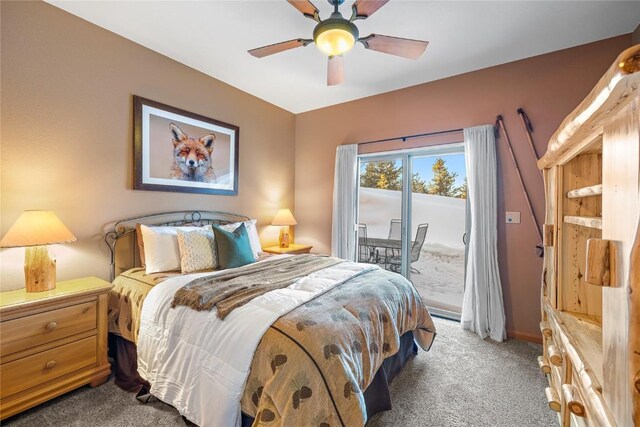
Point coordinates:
[(465, 381), (462, 381)]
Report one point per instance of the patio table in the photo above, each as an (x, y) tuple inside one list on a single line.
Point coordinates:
[(386, 244), (382, 243)]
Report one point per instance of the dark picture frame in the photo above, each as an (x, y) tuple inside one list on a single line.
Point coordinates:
[(187, 157)]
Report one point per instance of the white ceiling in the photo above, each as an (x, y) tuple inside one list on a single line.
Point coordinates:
[(214, 36)]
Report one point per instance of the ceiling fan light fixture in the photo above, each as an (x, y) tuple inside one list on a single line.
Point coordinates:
[(335, 36), (335, 42)]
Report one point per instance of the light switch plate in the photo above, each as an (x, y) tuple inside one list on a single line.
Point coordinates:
[(513, 218)]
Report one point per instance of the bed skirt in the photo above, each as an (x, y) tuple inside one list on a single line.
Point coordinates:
[(377, 397)]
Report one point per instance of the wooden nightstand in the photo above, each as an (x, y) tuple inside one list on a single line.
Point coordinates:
[(52, 342), (291, 250)]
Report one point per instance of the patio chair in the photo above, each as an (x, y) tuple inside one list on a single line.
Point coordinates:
[(416, 248), (366, 253), (363, 249), (395, 233), (395, 229)]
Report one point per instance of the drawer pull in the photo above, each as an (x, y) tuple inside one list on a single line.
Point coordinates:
[(543, 363), (572, 400), (554, 355), (51, 326), (50, 364), (552, 399)]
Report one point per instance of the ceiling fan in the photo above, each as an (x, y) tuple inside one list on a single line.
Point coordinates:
[(337, 35)]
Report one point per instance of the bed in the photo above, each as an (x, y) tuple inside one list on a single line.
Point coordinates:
[(320, 351)]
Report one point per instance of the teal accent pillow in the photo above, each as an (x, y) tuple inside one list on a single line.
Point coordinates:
[(234, 247)]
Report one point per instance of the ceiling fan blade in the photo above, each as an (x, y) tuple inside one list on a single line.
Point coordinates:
[(307, 8), (263, 51), (366, 8), (335, 70), (406, 48)]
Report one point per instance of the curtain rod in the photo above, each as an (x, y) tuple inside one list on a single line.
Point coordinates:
[(420, 135)]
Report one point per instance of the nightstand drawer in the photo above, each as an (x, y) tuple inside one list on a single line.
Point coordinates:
[(30, 331), (30, 371)]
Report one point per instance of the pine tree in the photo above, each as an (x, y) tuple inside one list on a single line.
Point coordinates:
[(383, 182), (443, 181), (418, 185), (387, 176), (369, 177), (382, 174), (461, 192)]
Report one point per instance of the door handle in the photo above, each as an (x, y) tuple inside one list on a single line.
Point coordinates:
[(464, 238)]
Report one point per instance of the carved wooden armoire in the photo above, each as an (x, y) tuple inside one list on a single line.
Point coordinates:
[(591, 278)]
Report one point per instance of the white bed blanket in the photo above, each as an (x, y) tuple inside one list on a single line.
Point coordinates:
[(198, 363)]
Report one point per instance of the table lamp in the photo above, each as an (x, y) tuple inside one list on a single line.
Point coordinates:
[(35, 230), (284, 218)]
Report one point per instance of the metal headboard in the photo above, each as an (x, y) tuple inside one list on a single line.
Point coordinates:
[(127, 227)]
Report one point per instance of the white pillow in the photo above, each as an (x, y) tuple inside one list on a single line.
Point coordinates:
[(161, 250), (197, 250), (252, 231)]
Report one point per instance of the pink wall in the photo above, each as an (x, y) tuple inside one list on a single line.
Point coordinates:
[(548, 87)]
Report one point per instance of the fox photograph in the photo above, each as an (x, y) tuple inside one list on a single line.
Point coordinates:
[(177, 150)]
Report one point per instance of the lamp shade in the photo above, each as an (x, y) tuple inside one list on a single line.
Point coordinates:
[(34, 228), (284, 217)]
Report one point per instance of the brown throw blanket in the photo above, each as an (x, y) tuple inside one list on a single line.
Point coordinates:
[(236, 287)]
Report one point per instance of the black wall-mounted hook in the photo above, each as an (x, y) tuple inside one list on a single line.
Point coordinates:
[(527, 122), (496, 126)]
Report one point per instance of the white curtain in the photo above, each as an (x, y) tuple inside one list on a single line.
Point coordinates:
[(345, 199), (482, 307)]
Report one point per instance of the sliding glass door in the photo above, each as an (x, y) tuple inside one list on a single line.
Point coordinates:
[(380, 199), (412, 218), (437, 218)]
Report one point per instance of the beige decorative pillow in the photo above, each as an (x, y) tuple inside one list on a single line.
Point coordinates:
[(197, 250), (140, 245)]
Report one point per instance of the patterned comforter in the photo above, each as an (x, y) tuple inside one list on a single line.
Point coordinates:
[(313, 364)]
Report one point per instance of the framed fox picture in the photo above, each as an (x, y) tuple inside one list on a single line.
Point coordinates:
[(175, 150)]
